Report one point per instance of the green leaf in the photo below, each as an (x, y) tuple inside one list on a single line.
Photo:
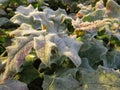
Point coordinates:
[(28, 73)]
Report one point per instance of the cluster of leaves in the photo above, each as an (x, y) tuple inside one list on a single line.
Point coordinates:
[(51, 50)]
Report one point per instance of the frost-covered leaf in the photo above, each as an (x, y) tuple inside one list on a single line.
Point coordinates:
[(19, 19), (3, 21), (54, 20), (3, 1), (99, 5), (26, 30), (102, 79), (90, 26), (16, 55), (57, 83), (25, 10), (68, 46), (113, 59), (43, 47), (113, 9), (84, 10), (13, 85), (95, 53), (96, 15), (2, 12), (27, 15), (48, 17), (85, 64), (42, 41)]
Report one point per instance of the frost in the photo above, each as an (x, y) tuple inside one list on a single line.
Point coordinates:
[(13, 85), (42, 41), (112, 9), (16, 54), (55, 83), (104, 79), (43, 47)]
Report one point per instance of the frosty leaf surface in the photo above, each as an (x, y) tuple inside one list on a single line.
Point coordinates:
[(63, 43), (19, 19), (112, 60), (3, 21), (96, 15), (13, 85), (43, 47), (98, 54), (16, 55), (104, 79), (112, 9), (55, 83), (25, 10), (26, 30), (69, 47)]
